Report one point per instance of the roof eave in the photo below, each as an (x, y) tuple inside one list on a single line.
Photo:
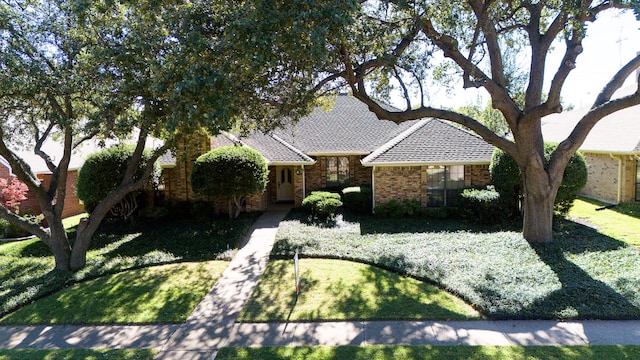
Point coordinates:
[(422, 163), (291, 163)]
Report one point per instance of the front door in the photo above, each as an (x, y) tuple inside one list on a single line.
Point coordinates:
[(285, 183)]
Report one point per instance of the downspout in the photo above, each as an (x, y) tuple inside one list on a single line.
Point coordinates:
[(620, 177), (373, 190)]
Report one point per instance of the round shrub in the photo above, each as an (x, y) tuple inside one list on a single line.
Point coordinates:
[(322, 205), (358, 199), (505, 176), (230, 173), (103, 171)]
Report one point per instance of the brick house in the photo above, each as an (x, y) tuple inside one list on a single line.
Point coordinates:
[(72, 205), (612, 151), (428, 160)]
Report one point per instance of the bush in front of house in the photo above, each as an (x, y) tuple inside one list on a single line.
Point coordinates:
[(103, 171), (358, 199), (505, 176), (231, 173), (481, 206), (397, 209), (322, 205)]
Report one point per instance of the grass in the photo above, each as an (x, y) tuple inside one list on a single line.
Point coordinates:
[(621, 222), (26, 267), (159, 294), (31, 354), (428, 352), (339, 290), (581, 275)]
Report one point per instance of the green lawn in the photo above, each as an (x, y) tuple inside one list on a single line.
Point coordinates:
[(31, 354), (621, 222), (159, 294), (26, 267), (581, 275), (339, 290), (432, 353)]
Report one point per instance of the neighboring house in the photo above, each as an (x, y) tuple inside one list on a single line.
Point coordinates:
[(612, 152), (429, 160), (72, 205)]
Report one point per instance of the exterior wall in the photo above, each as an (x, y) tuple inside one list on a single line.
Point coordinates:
[(629, 179), (410, 182), (5, 173), (476, 175), (603, 173), (316, 175), (400, 183), (72, 205), (177, 180)]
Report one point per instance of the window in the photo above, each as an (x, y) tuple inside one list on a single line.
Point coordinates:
[(337, 171), (444, 183), (637, 180)]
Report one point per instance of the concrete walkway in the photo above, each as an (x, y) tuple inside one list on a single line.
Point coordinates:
[(213, 323)]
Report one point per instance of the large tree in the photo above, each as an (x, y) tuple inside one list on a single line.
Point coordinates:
[(499, 46), (76, 71)]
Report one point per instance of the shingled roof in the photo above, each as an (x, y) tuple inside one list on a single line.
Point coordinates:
[(348, 128), (274, 150), (351, 129), (432, 141), (618, 133)]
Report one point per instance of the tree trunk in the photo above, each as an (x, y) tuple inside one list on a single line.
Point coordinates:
[(539, 197), (537, 226), (61, 255), (79, 251), (58, 243)]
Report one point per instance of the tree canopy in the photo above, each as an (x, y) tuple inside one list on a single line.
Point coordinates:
[(499, 46), (72, 72)]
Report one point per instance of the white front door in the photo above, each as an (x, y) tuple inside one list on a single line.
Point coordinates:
[(284, 178)]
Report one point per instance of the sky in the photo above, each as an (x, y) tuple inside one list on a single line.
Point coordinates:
[(612, 40)]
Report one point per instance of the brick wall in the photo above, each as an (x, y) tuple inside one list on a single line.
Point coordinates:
[(629, 179), (399, 183), (72, 205), (476, 175), (410, 182), (177, 180), (602, 180), (316, 175)]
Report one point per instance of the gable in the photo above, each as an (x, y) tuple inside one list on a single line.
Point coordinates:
[(432, 141)]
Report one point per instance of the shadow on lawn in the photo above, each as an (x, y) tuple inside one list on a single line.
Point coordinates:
[(581, 296), (632, 210), (371, 224)]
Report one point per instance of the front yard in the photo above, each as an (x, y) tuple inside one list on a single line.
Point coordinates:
[(583, 274), (161, 269)]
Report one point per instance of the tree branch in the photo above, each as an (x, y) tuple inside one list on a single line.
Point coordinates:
[(426, 112), (617, 81)]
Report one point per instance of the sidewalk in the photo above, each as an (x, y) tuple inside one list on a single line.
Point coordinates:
[(212, 324)]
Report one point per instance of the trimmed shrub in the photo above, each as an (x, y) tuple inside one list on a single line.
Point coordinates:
[(322, 205), (397, 209), (358, 199), (230, 173), (575, 178), (505, 176), (481, 206), (103, 171)]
